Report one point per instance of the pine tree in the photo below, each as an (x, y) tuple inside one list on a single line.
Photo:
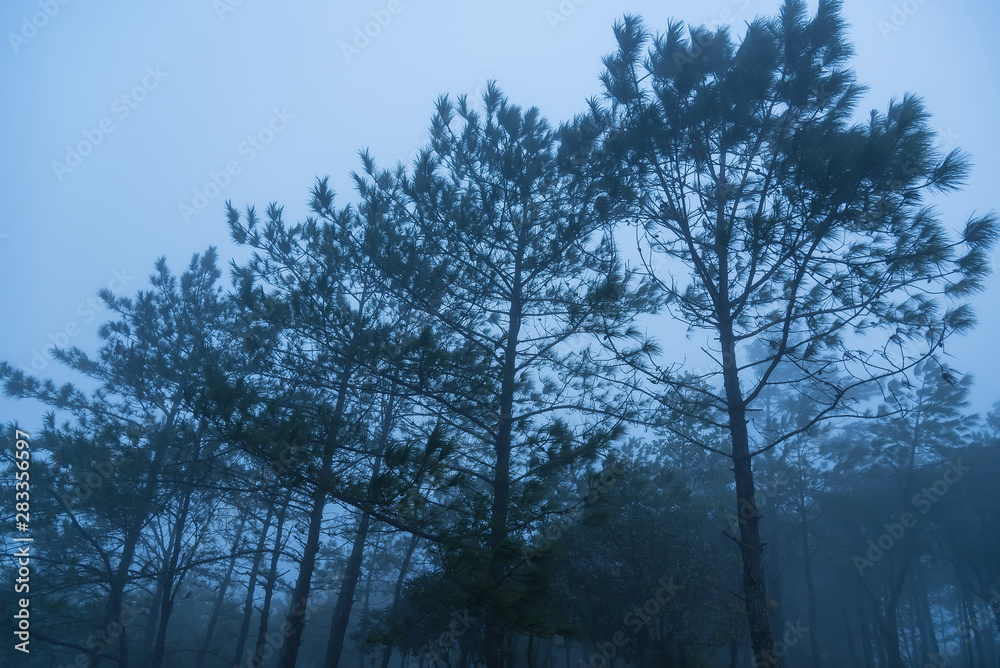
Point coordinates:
[(802, 230), (497, 238), (135, 453)]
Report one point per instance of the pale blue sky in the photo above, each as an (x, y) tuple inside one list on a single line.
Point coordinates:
[(183, 88)]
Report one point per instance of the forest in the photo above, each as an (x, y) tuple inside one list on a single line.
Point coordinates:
[(664, 384)]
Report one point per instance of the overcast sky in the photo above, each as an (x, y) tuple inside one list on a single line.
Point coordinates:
[(126, 125)]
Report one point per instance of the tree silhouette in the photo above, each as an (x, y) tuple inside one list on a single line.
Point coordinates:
[(498, 239), (801, 231)]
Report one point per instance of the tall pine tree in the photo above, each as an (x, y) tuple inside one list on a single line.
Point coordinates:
[(800, 229)]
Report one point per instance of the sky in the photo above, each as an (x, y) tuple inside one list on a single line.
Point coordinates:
[(127, 125)]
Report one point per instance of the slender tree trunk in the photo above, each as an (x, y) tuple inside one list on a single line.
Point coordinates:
[(890, 636), (880, 646), (993, 603), (241, 641), (153, 620), (888, 621), (113, 618), (547, 657), (113, 615), (206, 641), (345, 599), (751, 547), (910, 636), (365, 607), (169, 590), (397, 592), (978, 631), (923, 604), (270, 582), (973, 628), (865, 631), (296, 621), (114, 611), (811, 591), (772, 562), (850, 647), (918, 635), (496, 634)]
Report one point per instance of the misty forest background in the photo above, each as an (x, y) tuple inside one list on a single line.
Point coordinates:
[(446, 423)]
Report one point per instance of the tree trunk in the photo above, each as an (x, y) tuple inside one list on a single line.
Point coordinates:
[(169, 590), (890, 636), (973, 628), (923, 604), (751, 548), (966, 637), (496, 633), (397, 591), (366, 606), (153, 617), (345, 599), (811, 591), (296, 622), (993, 602), (910, 635), (850, 648), (269, 583), (865, 631), (241, 641), (227, 580), (113, 611), (888, 622), (878, 636)]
